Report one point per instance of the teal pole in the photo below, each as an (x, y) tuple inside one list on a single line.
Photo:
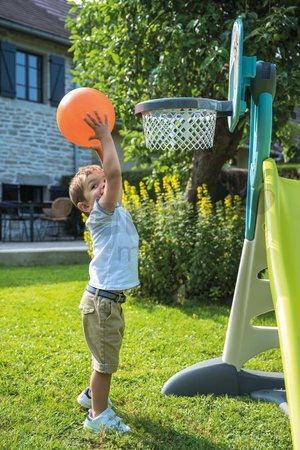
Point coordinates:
[(260, 144), (262, 88)]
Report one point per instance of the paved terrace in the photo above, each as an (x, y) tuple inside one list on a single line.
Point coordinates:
[(43, 253)]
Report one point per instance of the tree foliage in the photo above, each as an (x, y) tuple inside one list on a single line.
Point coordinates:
[(135, 50)]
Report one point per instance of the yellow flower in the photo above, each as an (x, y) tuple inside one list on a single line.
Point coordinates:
[(132, 190), (175, 182), (126, 186), (168, 191), (204, 201), (124, 198), (206, 207), (136, 201), (199, 192), (157, 189), (227, 202), (143, 191), (88, 240), (205, 191)]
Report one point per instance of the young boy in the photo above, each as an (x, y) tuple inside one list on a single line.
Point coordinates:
[(114, 268)]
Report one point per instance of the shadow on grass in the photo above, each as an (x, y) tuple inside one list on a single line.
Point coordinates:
[(38, 275), (204, 310), (162, 437)]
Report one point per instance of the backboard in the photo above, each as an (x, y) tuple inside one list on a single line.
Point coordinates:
[(235, 73)]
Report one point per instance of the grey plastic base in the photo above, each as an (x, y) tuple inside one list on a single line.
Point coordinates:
[(216, 377), (277, 396)]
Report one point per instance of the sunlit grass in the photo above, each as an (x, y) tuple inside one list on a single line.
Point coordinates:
[(45, 364)]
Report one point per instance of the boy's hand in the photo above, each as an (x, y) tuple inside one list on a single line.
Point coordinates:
[(97, 148), (101, 129)]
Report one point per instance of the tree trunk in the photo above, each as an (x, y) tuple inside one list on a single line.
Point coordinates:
[(207, 164)]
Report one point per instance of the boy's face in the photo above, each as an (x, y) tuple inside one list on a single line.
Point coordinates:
[(93, 188)]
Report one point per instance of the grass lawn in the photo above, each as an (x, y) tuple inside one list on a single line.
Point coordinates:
[(45, 364)]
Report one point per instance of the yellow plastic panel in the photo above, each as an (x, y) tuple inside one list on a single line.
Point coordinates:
[(282, 218)]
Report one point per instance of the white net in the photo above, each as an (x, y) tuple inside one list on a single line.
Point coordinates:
[(180, 129)]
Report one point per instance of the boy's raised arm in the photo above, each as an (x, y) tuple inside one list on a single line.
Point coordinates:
[(110, 162), (98, 150)]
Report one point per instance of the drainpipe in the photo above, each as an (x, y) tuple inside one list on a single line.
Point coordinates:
[(75, 158), (75, 147)]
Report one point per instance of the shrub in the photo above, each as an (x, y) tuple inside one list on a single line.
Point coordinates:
[(87, 237), (185, 251), (134, 177), (219, 237), (165, 227)]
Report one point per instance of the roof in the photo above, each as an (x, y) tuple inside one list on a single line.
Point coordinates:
[(47, 16)]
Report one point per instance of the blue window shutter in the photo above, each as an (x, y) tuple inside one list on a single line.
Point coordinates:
[(57, 79), (7, 69)]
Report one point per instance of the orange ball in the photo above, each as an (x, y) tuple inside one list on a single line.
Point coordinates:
[(73, 108)]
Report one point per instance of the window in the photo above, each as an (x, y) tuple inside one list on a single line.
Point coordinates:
[(21, 75), (22, 193), (28, 76), (31, 193)]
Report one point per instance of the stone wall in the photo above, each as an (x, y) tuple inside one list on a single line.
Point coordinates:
[(33, 151), (32, 145)]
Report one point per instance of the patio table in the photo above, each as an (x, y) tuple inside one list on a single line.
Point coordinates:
[(26, 210)]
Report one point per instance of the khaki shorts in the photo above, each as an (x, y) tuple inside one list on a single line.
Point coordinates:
[(103, 324)]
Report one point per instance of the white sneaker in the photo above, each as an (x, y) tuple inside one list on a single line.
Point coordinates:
[(106, 420), (85, 400)]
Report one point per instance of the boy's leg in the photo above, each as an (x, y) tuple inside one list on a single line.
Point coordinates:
[(101, 416), (100, 386)]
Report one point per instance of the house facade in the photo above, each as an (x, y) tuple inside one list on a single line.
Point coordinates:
[(35, 73)]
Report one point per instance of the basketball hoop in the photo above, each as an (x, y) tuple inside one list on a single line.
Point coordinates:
[(184, 123)]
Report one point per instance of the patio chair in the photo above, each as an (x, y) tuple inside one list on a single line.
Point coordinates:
[(56, 217)]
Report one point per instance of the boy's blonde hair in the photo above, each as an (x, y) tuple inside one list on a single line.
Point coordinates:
[(76, 188)]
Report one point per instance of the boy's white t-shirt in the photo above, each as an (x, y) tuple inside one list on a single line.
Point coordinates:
[(115, 249)]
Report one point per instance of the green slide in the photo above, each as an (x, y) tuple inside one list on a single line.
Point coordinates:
[(282, 219)]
